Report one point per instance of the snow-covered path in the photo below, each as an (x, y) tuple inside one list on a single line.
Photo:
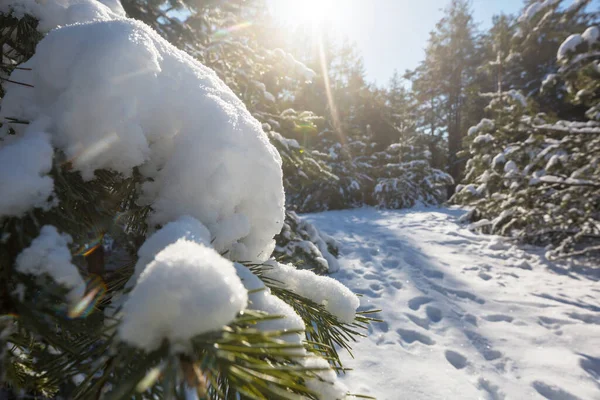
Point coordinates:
[(467, 316)]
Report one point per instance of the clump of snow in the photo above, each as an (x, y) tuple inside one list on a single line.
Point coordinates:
[(591, 35), (483, 139), (517, 96), (498, 159), (336, 298), (269, 97), (484, 124), (188, 289), (261, 299), (479, 224), (535, 8), (548, 80), (287, 143), (115, 95), (185, 227), (24, 163), (523, 264), (49, 254), (511, 167), (498, 243), (569, 46), (54, 13), (326, 384), (296, 65)]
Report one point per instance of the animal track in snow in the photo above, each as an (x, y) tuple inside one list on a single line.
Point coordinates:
[(390, 263), (416, 302), (552, 392), (396, 284), (498, 318), (422, 322), (483, 346), (431, 273), (457, 360), (433, 313), (591, 365), (492, 390), (463, 294), (587, 318), (484, 276), (410, 336)]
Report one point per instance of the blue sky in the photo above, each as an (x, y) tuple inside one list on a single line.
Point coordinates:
[(390, 34), (394, 32)]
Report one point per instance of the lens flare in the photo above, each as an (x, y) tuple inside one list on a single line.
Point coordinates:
[(337, 126), (6, 318), (92, 245), (229, 30), (96, 291), (150, 379)]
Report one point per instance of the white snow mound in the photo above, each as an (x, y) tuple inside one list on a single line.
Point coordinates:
[(115, 95), (332, 295), (49, 254), (261, 299), (54, 13), (188, 289), (185, 227), (24, 164)]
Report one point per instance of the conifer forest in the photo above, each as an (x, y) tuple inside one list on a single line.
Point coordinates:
[(202, 200)]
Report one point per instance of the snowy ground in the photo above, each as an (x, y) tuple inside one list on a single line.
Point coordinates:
[(466, 315)]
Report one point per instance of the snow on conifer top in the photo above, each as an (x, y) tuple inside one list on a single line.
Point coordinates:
[(49, 254), (188, 289), (53, 13), (114, 95)]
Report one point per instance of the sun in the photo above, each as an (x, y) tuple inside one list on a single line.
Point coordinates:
[(303, 12)]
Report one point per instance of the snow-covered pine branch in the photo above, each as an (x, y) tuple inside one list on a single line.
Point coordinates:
[(133, 155)]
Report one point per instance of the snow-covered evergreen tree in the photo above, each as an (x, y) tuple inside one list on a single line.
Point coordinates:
[(536, 178), (405, 176), (140, 204)]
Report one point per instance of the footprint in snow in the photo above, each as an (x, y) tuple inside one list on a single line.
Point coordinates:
[(462, 294), (591, 365), (430, 273), (587, 318), (367, 292), (372, 277), (381, 326), (422, 322), (390, 263), (410, 336), (483, 346), (396, 284), (471, 319), (552, 392), (433, 313), (416, 302), (493, 391), (456, 359), (484, 276), (498, 318), (554, 324)]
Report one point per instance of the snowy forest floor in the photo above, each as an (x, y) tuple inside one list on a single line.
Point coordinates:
[(467, 316)]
